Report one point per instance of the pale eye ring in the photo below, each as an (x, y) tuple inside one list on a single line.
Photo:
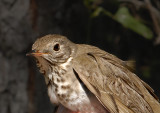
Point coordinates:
[(56, 47)]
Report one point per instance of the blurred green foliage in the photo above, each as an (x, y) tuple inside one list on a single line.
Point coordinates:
[(122, 16), (129, 29)]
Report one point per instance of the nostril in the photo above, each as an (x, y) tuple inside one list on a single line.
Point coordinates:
[(34, 51)]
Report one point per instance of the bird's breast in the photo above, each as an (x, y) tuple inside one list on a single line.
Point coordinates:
[(67, 90)]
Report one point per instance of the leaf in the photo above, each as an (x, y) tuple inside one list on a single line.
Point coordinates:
[(127, 20), (96, 12)]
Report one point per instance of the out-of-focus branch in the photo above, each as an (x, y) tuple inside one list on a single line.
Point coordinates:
[(155, 14), (155, 20), (157, 3), (136, 3), (141, 4)]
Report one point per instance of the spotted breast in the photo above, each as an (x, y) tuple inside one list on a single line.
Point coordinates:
[(69, 91)]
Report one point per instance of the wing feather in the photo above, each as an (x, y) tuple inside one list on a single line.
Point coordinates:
[(118, 89)]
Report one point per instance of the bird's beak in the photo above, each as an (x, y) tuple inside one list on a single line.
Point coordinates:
[(37, 53)]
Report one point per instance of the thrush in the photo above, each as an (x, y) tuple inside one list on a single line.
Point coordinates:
[(85, 79)]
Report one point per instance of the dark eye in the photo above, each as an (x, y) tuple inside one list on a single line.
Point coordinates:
[(56, 47)]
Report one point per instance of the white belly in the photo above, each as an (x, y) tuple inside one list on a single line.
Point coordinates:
[(68, 91), (78, 102), (69, 98)]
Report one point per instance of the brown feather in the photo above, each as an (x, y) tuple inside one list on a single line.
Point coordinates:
[(107, 74), (129, 65)]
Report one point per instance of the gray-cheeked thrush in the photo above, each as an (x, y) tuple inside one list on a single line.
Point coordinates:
[(85, 79)]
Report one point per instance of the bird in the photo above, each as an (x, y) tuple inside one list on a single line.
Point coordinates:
[(83, 78)]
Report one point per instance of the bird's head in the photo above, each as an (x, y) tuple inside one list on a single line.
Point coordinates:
[(53, 49)]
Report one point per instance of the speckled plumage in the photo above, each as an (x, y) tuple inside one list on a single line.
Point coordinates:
[(85, 79)]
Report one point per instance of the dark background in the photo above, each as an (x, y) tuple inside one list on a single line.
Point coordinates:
[(22, 87)]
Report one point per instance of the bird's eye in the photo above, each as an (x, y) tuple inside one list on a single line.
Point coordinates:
[(56, 47)]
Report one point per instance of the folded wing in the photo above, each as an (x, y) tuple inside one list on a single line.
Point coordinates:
[(117, 88)]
